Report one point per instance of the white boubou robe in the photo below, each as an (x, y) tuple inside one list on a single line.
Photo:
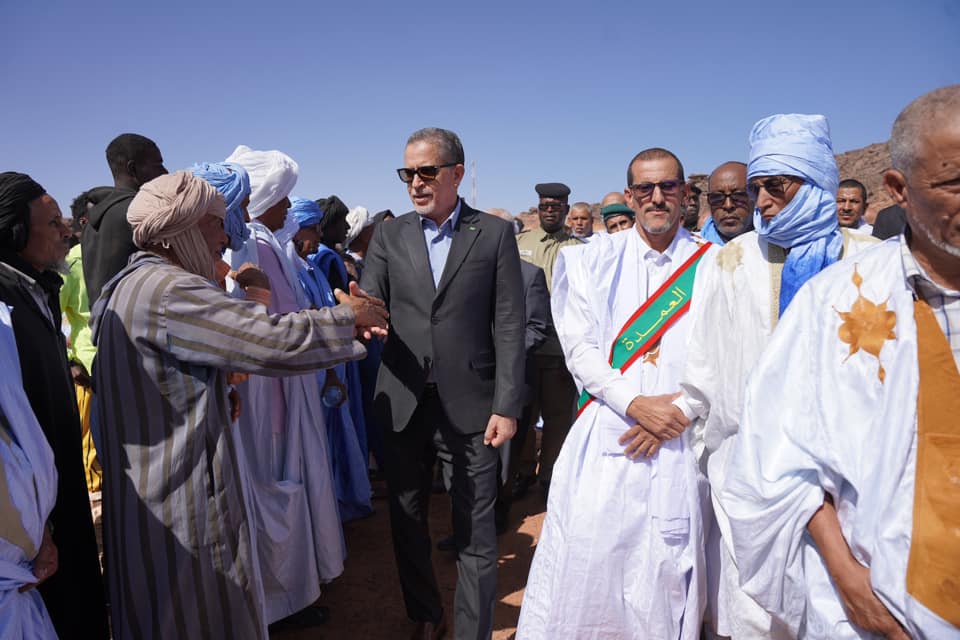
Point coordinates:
[(735, 308), (621, 551), (28, 490), (818, 419), (282, 434)]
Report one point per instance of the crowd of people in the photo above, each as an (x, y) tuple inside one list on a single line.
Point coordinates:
[(743, 419)]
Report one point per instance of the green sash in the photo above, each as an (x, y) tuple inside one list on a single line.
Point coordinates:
[(648, 324)]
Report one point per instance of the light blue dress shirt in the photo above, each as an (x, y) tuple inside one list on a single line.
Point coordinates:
[(438, 241)]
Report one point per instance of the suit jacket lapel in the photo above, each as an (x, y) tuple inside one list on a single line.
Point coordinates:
[(464, 235), (417, 247)]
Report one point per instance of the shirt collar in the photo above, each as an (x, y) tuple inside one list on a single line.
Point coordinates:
[(917, 278), (448, 225), (652, 254)]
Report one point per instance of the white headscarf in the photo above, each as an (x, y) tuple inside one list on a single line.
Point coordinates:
[(273, 175), (358, 219)]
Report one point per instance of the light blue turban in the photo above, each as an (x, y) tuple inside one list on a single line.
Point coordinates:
[(233, 183), (306, 212), (799, 145)]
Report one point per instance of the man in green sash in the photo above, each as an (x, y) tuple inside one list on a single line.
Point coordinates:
[(621, 553)]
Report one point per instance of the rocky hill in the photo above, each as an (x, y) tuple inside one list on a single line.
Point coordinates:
[(866, 165)]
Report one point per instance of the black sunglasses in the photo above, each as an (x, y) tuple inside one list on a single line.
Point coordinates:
[(426, 172), (551, 206), (645, 189), (776, 186), (718, 198)]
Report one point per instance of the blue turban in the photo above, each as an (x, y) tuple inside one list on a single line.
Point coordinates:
[(799, 145), (233, 183), (305, 212)]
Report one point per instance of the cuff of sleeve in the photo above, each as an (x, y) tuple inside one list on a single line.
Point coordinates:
[(619, 395), (258, 294), (343, 314), (684, 406)]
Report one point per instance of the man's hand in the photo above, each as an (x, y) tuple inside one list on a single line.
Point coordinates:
[(235, 405), (641, 443), (863, 606), (46, 562), (254, 283), (658, 415), (79, 373), (371, 312), (852, 578), (250, 275), (499, 430)]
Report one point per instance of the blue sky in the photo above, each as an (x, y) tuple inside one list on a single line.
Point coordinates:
[(550, 91)]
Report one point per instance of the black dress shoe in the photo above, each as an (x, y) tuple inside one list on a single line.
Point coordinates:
[(447, 544), (304, 619), (520, 485), (430, 630)]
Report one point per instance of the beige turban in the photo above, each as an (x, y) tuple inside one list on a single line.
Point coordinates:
[(273, 175), (166, 212)]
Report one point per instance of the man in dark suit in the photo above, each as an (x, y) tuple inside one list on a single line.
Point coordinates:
[(451, 380)]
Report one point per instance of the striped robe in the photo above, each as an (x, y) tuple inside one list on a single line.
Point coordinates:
[(177, 537)]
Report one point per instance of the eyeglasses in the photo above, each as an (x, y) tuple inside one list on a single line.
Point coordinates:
[(719, 198), (551, 206), (776, 186), (426, 172), (643, 190)]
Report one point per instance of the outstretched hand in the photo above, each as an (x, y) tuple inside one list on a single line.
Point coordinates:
[(371, 313)]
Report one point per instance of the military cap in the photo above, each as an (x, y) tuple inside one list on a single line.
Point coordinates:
[(552, 190), (616, 209)]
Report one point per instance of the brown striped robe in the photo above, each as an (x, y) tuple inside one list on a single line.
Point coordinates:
[(177, 536)]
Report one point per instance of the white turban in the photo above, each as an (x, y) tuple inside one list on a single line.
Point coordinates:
[(357, 220), (273, 175), (167, 210)]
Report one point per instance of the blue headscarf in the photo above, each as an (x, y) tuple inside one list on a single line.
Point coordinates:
[(233, 183), (711, 234), (799, 145), (305, 212)]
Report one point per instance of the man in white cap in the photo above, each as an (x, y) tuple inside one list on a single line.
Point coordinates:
[(294, 499), (843, 503), (180, 561), (739, 297)]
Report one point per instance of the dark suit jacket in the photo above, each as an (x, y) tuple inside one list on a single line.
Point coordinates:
[(536, 302), (469, 329)]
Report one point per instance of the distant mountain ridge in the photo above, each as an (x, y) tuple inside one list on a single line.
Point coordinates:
[(866, 165)]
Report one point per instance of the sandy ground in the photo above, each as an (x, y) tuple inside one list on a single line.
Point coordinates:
[(365, 602)]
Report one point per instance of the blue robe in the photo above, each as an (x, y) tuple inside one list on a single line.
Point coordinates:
[(346, 429)]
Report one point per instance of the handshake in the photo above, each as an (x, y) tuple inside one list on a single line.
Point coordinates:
[(371, 313)]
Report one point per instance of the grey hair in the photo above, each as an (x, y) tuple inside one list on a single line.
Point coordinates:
[(929, 111), (583, 206), (450, 147)]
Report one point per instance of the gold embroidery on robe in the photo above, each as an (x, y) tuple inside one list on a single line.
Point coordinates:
[(652, 355), (867, 326)]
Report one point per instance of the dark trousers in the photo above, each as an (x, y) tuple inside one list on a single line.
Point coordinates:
[(472, 469), (553, 395)]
